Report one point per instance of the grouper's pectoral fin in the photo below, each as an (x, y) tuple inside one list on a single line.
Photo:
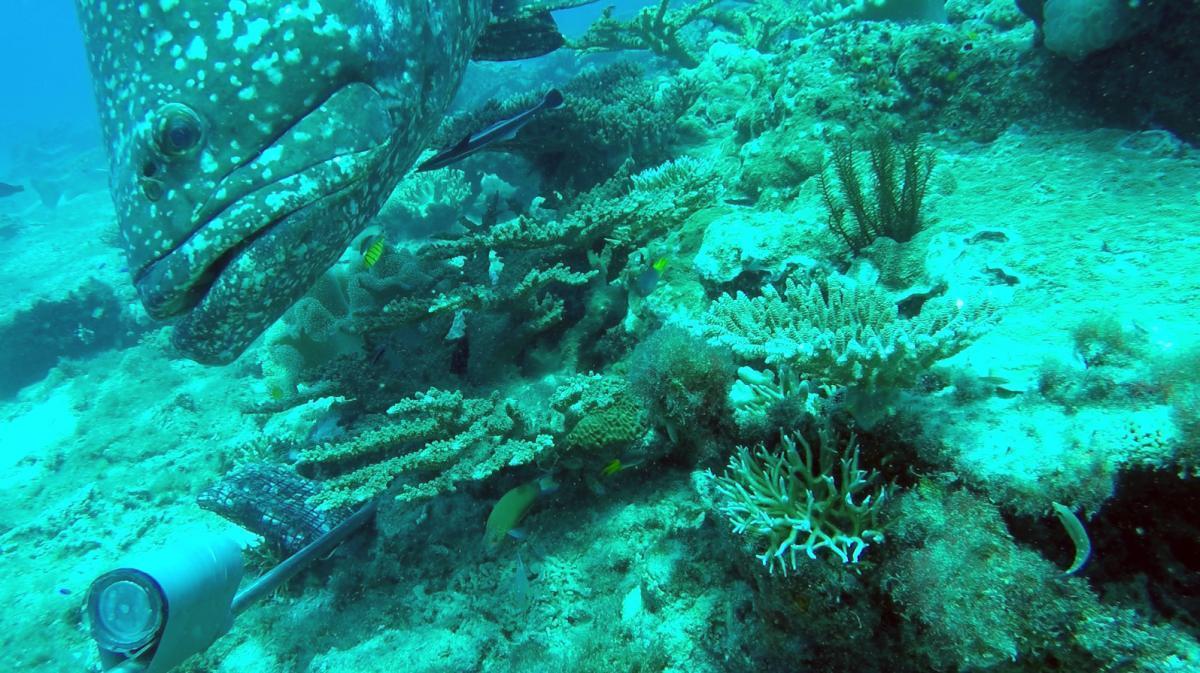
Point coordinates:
[(517, 38)]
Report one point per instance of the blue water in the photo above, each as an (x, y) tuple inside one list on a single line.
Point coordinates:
[(45, 80)]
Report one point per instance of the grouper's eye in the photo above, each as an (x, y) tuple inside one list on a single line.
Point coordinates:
[(178, 130)]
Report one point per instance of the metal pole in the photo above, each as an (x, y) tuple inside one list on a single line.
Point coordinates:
[(298, 561)]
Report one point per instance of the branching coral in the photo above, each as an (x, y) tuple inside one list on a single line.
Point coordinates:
[(626, 211), (658, 29), (457, 438), (838, 332), (528, 292), (800, 502)]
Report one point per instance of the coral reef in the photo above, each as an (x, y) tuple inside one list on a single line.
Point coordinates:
[(585, 353), (837, 332), (87, 320), (659, 29), (892, 206), (614, 114), (681, 381), (1039, 616), (439, 432), (802, 503)]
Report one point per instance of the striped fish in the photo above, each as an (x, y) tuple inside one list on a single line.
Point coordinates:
[(373, 252)]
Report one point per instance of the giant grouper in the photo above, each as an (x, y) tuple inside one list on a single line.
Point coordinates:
[(250, 140)]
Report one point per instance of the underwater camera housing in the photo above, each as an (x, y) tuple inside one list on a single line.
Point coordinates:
[(152, 613), (157, 610)]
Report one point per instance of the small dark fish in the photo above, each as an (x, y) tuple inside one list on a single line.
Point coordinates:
[(504, 129), (648, 280), (741, 200), (378, 354), (8, 190)]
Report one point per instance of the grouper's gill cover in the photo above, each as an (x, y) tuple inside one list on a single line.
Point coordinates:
[(250, 141)]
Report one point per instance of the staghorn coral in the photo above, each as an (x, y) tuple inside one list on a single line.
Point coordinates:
[(837, 332), (457, 438), (528, 269), (800, 502), (625, 212), (658, 29), (532, 299)]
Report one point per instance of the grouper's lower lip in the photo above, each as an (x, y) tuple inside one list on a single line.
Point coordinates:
[(174, 284), (267, 274)]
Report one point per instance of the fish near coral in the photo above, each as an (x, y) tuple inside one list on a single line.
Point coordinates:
[(249, 143), (373, 253), (505, 129), (648, 279), (614, 466), (512, 507)]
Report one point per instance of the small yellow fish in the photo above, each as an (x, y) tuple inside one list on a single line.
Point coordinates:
[(612, 468), (373, 252), (660, 265), (511, 508)]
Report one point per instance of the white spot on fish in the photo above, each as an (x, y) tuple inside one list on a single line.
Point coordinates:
[(255, 30), (197, 50), (271, 154), (162, 38), (225, 26)]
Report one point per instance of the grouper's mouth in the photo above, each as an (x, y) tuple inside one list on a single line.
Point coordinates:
[(306, 173), (176, 282)]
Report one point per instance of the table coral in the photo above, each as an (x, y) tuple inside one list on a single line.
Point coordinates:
[(455, 437)]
